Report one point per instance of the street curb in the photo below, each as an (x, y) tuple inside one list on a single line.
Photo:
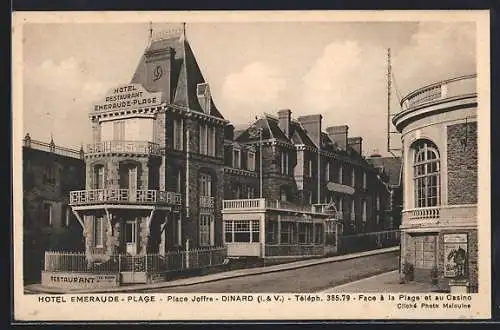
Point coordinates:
[(252, 271)]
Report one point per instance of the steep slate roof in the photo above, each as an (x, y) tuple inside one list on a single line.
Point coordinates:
[(184, 77), (391, 165)]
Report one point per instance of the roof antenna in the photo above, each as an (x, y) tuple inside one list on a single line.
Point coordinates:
[(183, 35), (150, 32)]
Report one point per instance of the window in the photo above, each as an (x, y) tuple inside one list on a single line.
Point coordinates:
[(50, 174), (327, 171), (341, 174), (363, 215), (353, 178), (203, 94), (353, 214), (310, 168), (283, 194), (284, 162), (250, 192), (99, 231), (426, 175), (206, 229), (99, 177), (178, 181), (66, 215), (378, 209), (330, 233), (119, 130), (47, 214), (237, 191), (236, 158), (242, 231), (305, 233), (131, 232), (287, 232), (318, 233), (205, 185), (341, 204), (207, 140), (251, 161), (178, 134), (364, 180), (271, 229)]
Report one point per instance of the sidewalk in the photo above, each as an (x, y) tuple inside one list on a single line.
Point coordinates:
[(38, 288), (385, 283)]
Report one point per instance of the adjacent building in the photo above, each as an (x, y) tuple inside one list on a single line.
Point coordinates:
[(439, 223), (50, 172), (314, 186)]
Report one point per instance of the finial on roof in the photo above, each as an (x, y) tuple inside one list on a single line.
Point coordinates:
[(52, 145)]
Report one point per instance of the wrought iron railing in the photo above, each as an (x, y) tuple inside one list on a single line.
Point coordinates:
[(94, 196), (120, 146), (207, 202), (171, 261)]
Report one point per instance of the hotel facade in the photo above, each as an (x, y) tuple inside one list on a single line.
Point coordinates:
[(167, 172)]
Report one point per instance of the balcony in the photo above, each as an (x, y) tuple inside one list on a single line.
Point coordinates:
[(123, 196), (124, 147), (423, 215), (207, 202), (450, 88), (459, 92), (262, 204)]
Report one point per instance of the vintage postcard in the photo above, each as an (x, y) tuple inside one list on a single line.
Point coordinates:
[(315, 165)]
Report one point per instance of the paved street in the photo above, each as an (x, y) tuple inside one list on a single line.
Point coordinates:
[(386, 282), (308, 279)]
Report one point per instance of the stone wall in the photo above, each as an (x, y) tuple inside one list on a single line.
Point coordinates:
[(462, 163)]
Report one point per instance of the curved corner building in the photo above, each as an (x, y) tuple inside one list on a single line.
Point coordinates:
[(439, 221)]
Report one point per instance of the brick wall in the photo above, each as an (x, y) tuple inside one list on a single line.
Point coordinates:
[(462, 163)]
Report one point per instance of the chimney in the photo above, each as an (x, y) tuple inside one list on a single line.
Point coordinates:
[(355, 143), (338, 134), (312, 125), (229, 132), (284, 117)]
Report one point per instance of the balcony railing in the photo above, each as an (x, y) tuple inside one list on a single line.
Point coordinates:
[(423, 214), (263, 204), (450, 88), (96, 196), (207, 202), (133, 147)]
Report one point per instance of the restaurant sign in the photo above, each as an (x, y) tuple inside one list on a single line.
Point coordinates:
[(72, 280), (126, 97)]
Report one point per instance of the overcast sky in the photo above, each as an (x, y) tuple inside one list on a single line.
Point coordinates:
[(337, 69)]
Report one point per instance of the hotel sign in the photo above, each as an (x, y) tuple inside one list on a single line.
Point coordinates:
[(127, 97), (340, 188)]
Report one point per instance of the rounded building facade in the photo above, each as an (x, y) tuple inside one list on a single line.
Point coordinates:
[(439, 218)]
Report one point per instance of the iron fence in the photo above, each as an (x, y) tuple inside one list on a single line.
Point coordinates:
[(368, 241), (56, 261)]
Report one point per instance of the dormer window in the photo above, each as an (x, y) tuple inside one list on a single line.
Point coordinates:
[(203, 94)]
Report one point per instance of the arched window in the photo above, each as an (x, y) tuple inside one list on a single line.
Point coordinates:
[(426, 174)]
